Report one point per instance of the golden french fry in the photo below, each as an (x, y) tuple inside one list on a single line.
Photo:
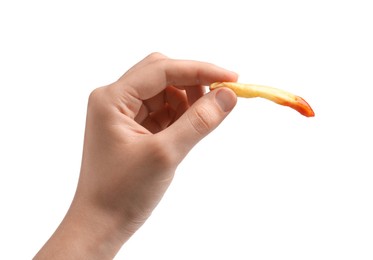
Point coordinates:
[(278, 96)]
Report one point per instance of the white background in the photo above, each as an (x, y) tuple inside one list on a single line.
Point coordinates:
[(267, 184)]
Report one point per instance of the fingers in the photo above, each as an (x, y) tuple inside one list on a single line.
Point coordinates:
[(171, 95), (156, 72), (158, 120), (147, 60), (167, 87), (169, 105), (194, 93), (164, 109), (198, 121)]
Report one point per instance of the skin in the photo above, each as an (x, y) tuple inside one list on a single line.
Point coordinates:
[(138, 130)]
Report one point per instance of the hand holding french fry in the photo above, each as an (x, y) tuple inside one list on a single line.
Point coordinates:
[(138, 130)]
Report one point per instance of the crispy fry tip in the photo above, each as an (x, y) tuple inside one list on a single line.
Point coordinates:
[(304, 108)]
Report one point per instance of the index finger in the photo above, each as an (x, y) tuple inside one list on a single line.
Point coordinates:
[(150, 79)]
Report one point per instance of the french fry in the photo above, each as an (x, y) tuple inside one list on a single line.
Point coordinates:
[(278, 96)]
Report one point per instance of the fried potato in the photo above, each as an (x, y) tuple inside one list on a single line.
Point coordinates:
[(278, 96)]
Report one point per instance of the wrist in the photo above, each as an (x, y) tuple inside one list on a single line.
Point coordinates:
[(86, 232)]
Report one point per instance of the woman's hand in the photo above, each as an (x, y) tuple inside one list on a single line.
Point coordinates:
[(138, 130)]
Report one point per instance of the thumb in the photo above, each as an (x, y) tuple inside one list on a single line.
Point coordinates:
[(199, 120)]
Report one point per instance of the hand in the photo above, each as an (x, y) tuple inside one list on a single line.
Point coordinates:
[(138, 130)]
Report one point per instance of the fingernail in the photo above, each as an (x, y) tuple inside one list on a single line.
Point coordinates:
[(226, 99)]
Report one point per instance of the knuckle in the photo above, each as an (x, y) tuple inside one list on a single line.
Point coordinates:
[(98, 101), (200, 119), (154, 56), (95, 96), (162, 156)]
